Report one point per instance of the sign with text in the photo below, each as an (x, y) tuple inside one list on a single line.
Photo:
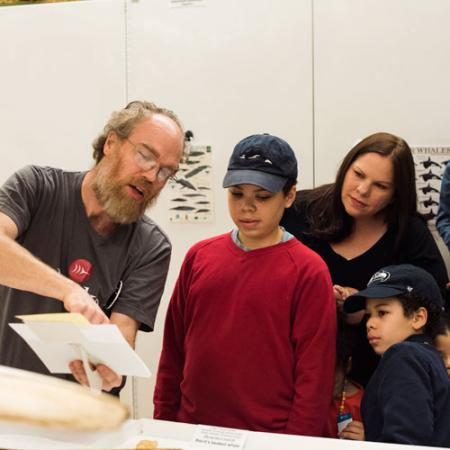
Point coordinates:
[(430, 163), (217, 437)]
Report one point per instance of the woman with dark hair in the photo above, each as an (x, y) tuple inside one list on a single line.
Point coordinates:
[(365, 220)]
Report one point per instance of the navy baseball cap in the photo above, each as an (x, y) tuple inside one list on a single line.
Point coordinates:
[(263, 160), (392, 281)]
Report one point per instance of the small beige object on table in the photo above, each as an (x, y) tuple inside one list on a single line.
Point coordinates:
[(151, 445), (35, 399), (146, 445)]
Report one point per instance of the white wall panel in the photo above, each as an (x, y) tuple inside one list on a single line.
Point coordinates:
[(379, 65), (62, 73), (229, 69)]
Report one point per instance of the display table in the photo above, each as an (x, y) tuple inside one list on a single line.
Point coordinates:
[(168, 434)]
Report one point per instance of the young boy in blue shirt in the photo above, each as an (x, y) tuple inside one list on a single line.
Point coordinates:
[(407, 400)]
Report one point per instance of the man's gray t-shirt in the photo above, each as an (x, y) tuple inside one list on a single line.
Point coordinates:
[(125, 271)]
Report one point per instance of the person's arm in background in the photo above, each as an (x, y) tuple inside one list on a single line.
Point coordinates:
[(341, 294), (353, 431), (443, 216), (19, 269)]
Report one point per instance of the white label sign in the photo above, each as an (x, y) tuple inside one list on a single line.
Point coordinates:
[(179, 3), (217, 437)]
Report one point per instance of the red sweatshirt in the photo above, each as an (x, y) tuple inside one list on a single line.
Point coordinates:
[(249, 339)]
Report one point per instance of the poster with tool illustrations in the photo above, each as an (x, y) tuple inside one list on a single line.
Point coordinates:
[(190, 192), (430, 164)]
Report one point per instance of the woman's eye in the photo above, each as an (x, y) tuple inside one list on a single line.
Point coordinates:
[(357, 173), (382, 313), (263, 198)]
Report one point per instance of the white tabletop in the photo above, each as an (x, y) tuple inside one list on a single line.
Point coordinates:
[(168, 434)]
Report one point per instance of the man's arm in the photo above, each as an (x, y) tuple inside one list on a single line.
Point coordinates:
[(19, 269), (127, 325)]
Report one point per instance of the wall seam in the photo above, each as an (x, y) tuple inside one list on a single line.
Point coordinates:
[(126, 52), (313, 96)]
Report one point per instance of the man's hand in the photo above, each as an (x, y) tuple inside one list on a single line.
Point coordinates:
[(110, 379), (77, 300), (21, 270), (354, 430)]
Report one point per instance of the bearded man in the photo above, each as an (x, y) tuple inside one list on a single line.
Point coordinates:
[(79, 241)]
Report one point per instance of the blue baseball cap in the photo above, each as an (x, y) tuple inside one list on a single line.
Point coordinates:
[(262, 160), (392, 281)]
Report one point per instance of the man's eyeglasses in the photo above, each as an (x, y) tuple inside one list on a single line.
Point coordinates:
[(146, 160)]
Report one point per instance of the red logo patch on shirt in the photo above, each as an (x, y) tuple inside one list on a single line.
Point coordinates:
[(80, 270)]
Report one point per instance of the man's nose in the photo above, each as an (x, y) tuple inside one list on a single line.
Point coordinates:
[(151, 175)]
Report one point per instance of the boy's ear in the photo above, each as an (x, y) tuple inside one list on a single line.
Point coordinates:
[(420, 318), (290, 197)]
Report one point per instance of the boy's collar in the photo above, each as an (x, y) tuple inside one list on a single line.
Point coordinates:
[(235, 237), (420, 338)]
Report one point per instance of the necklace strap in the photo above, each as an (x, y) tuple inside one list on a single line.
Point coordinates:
[(343, 397)]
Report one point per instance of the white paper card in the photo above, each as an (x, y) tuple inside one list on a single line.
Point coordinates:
[(184, 3), (218, 437), (58, 343)]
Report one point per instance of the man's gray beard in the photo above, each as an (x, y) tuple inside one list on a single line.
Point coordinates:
[(117, 205)]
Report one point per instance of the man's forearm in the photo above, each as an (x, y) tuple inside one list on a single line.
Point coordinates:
[(19, 269), (127, 326)]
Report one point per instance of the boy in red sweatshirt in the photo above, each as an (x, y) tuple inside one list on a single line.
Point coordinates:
[(250, 332)]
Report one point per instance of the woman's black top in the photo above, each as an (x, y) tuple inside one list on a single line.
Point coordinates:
[(416, 247)]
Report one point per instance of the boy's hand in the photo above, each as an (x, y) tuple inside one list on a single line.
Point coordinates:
[(354, 431)]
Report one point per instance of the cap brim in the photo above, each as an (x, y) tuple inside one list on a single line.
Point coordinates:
[(268, 181), (357, 301)]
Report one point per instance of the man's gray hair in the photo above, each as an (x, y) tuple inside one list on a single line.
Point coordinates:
[(122, 122)]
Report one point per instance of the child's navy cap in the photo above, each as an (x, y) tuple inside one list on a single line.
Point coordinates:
[(263, 160), (392, 281)]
